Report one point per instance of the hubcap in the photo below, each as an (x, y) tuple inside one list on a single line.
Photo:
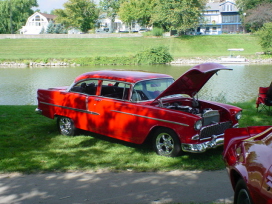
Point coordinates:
[(165, 144), (65, 126)]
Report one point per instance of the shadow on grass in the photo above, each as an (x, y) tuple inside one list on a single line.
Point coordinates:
[(31, 143)]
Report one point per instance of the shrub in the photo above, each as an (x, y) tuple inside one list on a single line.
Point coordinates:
[(265, 37), (157, 32), (158, 55)]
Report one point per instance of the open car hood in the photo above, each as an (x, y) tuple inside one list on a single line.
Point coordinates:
[(193, 80)]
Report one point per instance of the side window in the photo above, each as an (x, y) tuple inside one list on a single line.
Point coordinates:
[(86, 87), (113, 89)]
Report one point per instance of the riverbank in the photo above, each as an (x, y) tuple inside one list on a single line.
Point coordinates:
[(179, 61), (199, 60), (183, 47)]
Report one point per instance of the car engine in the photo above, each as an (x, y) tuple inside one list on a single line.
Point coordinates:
[(208, 115)]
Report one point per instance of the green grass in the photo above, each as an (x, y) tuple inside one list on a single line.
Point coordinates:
[(31, 143), (185, 46)]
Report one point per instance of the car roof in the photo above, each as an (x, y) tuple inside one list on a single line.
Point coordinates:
[(121, 75)]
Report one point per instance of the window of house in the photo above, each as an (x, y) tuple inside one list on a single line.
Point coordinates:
[(230, 19), (227, 7), (37, 18), (208, 19)]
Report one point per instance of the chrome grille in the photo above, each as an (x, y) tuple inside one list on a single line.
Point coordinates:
[(216, 129), (211, 117)]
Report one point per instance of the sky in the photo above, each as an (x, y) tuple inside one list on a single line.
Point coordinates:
[(49, 5)]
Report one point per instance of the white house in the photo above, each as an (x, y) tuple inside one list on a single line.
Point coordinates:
[(36, 22), (105, 25)]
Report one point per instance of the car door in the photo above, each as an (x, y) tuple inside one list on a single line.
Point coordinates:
[(115, 115), (76, 102)]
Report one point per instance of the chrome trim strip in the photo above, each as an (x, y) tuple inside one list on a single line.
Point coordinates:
[(167, 121), (75, 109), (258, 135)]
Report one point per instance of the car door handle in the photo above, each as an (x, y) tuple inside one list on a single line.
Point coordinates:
[(97, 99)]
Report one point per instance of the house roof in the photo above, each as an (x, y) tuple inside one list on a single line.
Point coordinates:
[(48, 16), (218, 6), (212, 6)]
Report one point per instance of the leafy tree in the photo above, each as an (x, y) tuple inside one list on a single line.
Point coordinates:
[(265, 37), (245, 5), (80, 14), (111, 7), (137, 10), (177, 14), (256, 17), (14, 14)]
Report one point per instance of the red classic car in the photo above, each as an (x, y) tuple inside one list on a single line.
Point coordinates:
[(248, 158), (133, 106)]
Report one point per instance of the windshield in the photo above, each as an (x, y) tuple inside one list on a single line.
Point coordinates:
[(150, 89)]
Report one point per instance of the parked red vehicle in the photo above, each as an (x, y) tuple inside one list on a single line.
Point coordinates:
[(133, 106), (248, 158)]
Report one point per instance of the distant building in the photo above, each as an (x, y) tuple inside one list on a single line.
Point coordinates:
[(219, 17), (105, 25), (37, 22)]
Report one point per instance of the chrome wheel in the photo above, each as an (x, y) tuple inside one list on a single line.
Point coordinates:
[(66, 126), (166, 143)]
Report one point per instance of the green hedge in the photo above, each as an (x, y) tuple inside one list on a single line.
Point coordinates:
[(156, 55)]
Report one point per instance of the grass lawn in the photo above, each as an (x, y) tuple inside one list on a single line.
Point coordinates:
[(185, 46), (31, 143)]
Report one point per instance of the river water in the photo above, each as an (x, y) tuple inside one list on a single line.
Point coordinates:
[(18, 86)]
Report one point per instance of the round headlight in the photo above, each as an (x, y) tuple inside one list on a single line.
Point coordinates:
[(238, 115), (198, 125)]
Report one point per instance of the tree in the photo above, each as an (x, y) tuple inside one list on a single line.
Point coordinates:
[(111, 7), (80, 14), (265, 37), (14, 14), (59, 29), (256, 17), (137, 10), (50, 28), (245, 5), (177, 14)]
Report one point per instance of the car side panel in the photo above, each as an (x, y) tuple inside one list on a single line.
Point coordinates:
[(132, 122)]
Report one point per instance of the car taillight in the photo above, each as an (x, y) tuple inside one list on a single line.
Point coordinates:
[(231, 157)]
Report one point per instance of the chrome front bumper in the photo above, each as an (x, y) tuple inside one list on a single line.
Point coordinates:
[(202, 147)]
